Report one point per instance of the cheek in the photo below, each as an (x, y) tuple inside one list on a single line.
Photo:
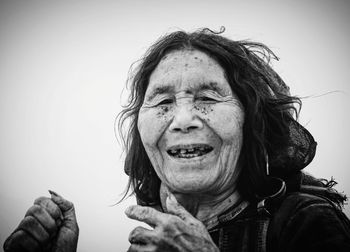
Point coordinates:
[(224, 119), (151, 124)]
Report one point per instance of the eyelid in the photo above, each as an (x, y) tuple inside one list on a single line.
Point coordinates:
[(208, 95), (159, 98), (206, 98), (165, 101)]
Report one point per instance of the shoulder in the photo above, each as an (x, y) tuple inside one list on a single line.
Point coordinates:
[(307, 222), (297, 202)]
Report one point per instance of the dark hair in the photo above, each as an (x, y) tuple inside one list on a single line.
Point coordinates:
[(269, 130)]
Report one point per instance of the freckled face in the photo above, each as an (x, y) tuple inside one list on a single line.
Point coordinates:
[(191, 124)]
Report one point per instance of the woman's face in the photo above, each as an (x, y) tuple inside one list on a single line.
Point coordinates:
[(191, 124)]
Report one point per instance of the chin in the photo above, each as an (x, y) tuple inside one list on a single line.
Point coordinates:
[(191, 182)]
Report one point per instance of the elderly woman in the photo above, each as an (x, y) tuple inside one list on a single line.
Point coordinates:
[(214, 155)]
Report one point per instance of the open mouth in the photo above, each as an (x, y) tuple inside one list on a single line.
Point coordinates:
[(189, 151)]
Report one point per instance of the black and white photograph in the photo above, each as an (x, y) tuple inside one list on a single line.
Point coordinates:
[(173, 126)]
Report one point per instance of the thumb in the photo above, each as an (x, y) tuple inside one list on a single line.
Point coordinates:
[(68, 211), (175, 208)]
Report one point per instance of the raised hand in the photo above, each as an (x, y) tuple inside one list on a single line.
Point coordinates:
[(49, 225), (174, 232)]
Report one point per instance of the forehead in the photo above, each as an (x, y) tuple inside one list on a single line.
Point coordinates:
[(185, 69)]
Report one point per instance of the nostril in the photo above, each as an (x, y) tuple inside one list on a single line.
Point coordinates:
[(191, 128), (185, 129)]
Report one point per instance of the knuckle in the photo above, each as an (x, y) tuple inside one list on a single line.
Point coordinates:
[(173, 220), (170, 224), (141, 235), (43, 217), (27, 222), (34, 210), (145, 211), (34, 228), (130, 210), (133, 234), (136, 231), (41, 200), (50, 207), (141, 212), (132, 237)]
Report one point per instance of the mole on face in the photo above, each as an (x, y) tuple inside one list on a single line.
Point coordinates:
[(200, 59), (204, 110), (162, 113), (162, 110)]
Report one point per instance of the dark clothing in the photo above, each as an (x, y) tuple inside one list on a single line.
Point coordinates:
[(306, 222), (299, 222)]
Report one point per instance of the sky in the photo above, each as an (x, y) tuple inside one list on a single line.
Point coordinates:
[(63, 68)]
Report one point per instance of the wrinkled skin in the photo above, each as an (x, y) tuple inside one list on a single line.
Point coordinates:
[(175, 231), (188, 104), (49, 225)]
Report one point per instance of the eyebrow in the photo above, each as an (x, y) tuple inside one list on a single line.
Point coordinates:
[(170, 89), (210, 86), (159, 91)]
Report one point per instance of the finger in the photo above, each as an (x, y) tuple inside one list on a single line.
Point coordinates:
[(141, 235), (136, 248), (51, 207), (142, 248), (175, 208), (33, 227), (44, 218), (63, 204), (21, 241), (145, 214), (68, 210)]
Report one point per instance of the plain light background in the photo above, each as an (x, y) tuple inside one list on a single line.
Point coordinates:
[(63, 66)]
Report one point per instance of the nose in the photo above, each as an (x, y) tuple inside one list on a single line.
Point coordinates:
[(185, 120)]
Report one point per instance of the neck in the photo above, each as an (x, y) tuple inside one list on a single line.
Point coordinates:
[(202, 206)]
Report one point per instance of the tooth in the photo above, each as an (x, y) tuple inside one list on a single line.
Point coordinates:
[(173, 151), (201, 148), (190, 150), (182, 151)]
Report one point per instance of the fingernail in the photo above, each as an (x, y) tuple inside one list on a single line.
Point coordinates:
[(53, 193), (128, 210)]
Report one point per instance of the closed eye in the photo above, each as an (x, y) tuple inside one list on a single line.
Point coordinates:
[(165, 102), (205, 99)]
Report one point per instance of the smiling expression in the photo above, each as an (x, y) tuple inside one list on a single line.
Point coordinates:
[(191, 124)]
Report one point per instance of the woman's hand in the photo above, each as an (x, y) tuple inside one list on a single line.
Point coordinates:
[(174, 232), (49, 225)]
